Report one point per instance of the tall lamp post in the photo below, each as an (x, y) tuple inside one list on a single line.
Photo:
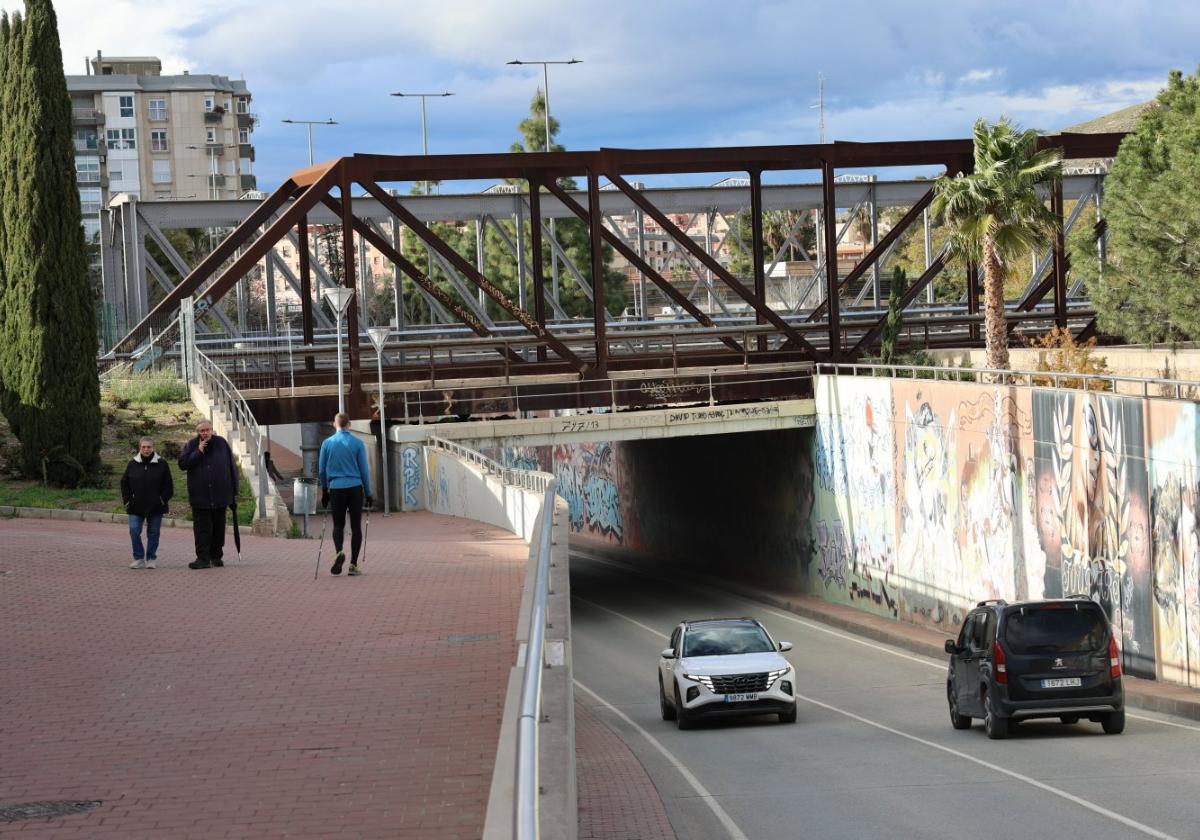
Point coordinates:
[(310, 124), (339, 298), (379, 337), (424, 136), (546, 147)]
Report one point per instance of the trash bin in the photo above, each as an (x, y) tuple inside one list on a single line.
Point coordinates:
[(304, 497)]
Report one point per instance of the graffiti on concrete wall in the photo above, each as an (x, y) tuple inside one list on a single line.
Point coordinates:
[(590, 479), (410, 476)]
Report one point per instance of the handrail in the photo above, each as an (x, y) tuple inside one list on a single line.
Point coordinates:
[(222, 391), (526, 793), (1074, 381)]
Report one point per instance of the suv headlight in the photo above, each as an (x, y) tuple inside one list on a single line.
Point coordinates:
[(774, 675), (704, 681)]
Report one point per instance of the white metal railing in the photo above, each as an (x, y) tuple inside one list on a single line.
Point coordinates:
[(224, 396), (526, 790), (1179, 389)]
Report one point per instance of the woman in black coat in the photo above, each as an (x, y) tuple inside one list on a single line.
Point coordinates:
[(146, 489)]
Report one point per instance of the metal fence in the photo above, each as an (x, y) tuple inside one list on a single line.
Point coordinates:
[(226, 398)]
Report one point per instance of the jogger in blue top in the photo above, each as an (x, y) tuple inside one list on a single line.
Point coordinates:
[(345, 480)]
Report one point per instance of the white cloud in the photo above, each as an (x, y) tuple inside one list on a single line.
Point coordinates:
[(975, 76)]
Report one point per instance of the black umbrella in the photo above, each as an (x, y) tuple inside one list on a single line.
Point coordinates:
[(237, 535)]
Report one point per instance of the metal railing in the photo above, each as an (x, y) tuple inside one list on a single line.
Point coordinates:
[(1179, 389), (525, 479), (225, 397)]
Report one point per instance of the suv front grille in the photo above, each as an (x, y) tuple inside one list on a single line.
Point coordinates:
[(739, 683)]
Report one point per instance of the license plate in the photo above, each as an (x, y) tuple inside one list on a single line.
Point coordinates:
[(1065, 682), (739, 698)]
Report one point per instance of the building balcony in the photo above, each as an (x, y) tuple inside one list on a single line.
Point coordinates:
[(247, 120), (84, 179), (246, 151), (91, 144), (217, 149), (87, 116), (249, 182), (216, 115), (216, 180)]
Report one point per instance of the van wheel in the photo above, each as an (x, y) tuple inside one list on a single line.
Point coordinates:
[(1113, 722), (681, 718), (996, 727), (956, 720), (668, 711)]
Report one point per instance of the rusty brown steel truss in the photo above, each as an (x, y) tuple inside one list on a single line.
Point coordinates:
[(778, 341)]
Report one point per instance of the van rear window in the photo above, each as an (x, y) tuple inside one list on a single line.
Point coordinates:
[(1055, 630)]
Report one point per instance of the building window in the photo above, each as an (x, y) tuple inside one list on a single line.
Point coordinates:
[(161, 171), (122, 138), (115, 174), (126, 104), (208, 103), (285, 251), (158, 140), (85, 139), (158, 109), (89, 201), (244, 136), (243, 107), (210, 135), (87, 169)]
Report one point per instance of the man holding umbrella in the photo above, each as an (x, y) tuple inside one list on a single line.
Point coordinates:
[(212, 487), (345, 479)]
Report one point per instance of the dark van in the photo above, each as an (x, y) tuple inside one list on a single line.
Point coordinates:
[(1035, 659)]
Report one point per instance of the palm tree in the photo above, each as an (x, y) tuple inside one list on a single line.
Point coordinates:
[(996, 215)]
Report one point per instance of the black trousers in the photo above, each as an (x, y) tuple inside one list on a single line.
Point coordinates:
[(342, 501), (208, 528)]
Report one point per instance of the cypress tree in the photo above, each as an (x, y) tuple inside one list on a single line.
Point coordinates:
[(51, 394)]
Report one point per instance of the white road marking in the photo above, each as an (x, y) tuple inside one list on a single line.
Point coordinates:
[(1070, 797), (701, 791), (815, 626), (645, 627)]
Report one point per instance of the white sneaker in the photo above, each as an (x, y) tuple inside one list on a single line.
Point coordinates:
[(151, 563), (138, 563)]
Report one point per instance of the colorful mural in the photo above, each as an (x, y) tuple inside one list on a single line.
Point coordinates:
[(591, 478), (1013, 493)]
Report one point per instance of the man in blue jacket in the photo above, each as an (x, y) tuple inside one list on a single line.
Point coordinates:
[(345, 480), (212, 486)]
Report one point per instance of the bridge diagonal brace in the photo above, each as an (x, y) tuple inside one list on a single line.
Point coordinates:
[(909, 296), (294, 284), (881, 247), (490, 289), (641, 265), (512, 249), (435, 308), (711, 264)]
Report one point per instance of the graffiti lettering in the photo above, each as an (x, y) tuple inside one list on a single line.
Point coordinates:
[(665, 390), (410, 474), (578, 426)]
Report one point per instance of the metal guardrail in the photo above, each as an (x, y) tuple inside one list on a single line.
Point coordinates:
[(229, 400), (525, 812), (1168, 388)]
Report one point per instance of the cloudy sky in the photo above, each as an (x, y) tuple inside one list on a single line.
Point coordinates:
[(655, 73)]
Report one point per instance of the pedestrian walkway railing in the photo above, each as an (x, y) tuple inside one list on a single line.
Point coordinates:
[(527, 789), (1137, 386), (225, 398)]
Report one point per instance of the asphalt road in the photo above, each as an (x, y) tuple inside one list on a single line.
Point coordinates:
[(873, 753)]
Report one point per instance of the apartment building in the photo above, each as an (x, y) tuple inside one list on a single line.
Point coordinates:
[(156, 137)]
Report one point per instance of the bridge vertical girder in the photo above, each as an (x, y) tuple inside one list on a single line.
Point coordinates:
[(832, 294), (535, 242), (595, 233), (756, 250), (1060, 255)]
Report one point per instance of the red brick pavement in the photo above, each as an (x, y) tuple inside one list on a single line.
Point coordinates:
[(251, 701), (617, 800)]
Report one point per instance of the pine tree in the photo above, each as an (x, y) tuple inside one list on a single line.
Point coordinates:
[(51, 394)]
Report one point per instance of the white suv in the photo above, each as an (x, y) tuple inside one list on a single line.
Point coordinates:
[(725, 666)]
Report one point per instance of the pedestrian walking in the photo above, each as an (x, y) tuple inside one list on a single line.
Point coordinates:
[(345, 484), (212, 486), (146, 490)]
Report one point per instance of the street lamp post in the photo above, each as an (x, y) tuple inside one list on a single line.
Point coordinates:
[(379, 337), (424, 136), (339, 298), (310, 124), (546, 115)]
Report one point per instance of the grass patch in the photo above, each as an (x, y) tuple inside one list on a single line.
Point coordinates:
[(161, 386)]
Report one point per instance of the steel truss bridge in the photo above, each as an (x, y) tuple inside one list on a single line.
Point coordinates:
[(736, 338)]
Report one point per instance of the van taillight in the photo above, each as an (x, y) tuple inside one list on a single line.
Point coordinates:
[(1114, 658), (999, 663)]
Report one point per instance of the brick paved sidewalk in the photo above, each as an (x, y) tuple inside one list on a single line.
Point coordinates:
[(251, 701), (617, 799)]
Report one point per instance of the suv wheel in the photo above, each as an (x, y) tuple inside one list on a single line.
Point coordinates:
[(1113, 722), (681, 718), (668, 711), (1069, 719), (956, 720), (996, 727), (788, 717)]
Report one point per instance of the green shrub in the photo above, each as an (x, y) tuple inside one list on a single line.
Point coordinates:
[(153, 387)]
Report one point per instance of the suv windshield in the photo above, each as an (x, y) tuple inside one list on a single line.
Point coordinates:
[(1055, 629), (726, 639)]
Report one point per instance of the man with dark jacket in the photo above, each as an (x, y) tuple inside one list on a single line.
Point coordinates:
[(212, 487), (146, 489)]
